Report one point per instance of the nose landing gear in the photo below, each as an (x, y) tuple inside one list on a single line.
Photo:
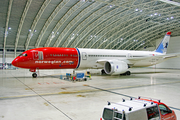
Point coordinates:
[(34, 75)]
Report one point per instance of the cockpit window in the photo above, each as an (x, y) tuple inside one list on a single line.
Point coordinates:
[(25, 54), (20, 54)]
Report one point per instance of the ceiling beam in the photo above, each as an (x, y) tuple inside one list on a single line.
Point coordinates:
[(170, 2), (21, 24), (49, 21), (38, 16), (7, 23), (63, 22)]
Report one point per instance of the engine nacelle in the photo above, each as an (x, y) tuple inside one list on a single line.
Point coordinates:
[(115, 67)]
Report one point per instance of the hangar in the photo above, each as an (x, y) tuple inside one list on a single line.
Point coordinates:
[(97, 24)]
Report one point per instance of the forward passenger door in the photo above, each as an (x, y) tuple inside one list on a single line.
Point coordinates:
[(84, 56)]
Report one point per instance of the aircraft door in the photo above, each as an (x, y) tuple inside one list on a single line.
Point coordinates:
[(37, 55), (129, 55), (84, 56)]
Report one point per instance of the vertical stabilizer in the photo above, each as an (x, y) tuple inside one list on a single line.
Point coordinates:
[(162, 48)]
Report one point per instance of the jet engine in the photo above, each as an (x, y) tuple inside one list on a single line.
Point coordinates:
[(115, 67)]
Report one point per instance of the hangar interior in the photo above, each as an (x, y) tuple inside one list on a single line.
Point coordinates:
[(99, 24)]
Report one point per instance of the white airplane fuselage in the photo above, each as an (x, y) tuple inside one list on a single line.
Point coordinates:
[(90, 57)]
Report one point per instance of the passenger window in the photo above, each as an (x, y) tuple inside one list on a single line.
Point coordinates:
[(164, 110), (152, 112)]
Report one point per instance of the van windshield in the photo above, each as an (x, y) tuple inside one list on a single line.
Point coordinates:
[(108, 115)]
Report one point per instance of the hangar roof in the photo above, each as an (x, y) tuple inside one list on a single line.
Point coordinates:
[(105, 24)]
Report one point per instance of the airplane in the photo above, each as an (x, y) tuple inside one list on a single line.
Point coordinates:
[(111, 62)]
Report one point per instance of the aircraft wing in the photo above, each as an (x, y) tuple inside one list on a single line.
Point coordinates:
[(153, 58), (166, 56), (102, 61)]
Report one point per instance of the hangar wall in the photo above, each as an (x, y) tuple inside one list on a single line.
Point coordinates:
[(174, 47), (9, 57)]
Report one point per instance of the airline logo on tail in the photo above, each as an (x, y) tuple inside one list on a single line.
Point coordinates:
[(162, 48)]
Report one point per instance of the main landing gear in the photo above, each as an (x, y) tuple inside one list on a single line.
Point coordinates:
[(126, 73), (103, 72)]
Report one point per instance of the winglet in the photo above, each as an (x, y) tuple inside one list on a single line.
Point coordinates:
[(162, 48)]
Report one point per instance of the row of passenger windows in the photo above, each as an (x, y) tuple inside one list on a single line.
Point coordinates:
[(72, 55), (112, 56), (63, 55), (106, 56)]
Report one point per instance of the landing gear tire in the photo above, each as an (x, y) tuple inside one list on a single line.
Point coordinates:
[(126, 73), (34, 75), (103, 72)]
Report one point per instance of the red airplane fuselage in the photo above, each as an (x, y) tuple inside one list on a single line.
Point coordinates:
[(48, 58)]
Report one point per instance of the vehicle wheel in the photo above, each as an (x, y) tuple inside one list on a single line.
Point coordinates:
[(34, 75)]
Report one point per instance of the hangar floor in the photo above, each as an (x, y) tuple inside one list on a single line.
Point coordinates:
[(50, 98)]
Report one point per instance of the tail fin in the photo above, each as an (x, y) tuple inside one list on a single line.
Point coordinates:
[(162, 48)]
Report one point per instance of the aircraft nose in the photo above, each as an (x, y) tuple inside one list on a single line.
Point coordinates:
[(15, 62)]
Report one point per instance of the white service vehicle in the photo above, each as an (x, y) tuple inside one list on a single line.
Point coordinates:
[(137, 109)]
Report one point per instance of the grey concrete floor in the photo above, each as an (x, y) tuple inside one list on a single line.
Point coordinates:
[(50, 98)]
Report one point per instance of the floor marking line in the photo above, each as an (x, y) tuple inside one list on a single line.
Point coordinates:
[(124, 95), (85, 91), (44, 99)]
